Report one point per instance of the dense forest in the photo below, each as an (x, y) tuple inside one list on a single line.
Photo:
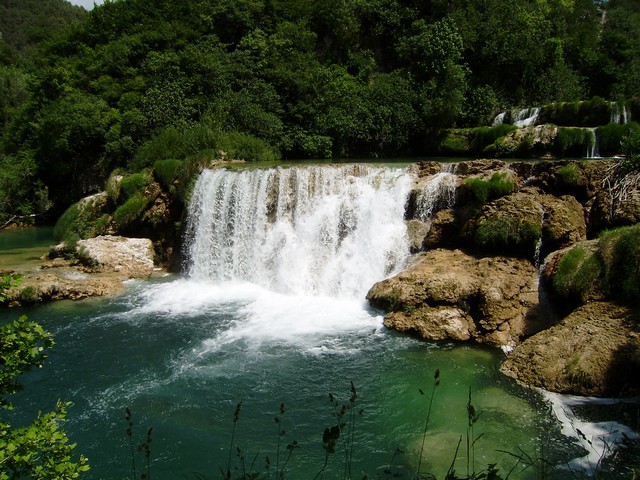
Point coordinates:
[(136, 81)]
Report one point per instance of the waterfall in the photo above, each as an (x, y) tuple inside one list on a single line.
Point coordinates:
[(439, 192), (618, 117), (525, 117), (593, 148), (314, 230), (499, 119)]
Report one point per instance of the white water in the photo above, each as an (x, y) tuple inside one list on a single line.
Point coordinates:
[(522, 117), (593, 149), (525, 117), (438, 192), (313, 230), (617, 116), (499, 119), (599, 439)]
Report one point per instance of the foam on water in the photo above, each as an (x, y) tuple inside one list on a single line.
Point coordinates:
[(598, 439)]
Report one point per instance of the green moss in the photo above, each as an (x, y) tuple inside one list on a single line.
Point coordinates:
[(611, 137), (81, 220), (484, 190), (130, 211), (574, 141), (589, 113), (613, 269), (620, 251), (569, 175), (132, 185), (507, 233), (578, 274)]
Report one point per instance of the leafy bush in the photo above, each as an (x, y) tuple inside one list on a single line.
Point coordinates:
[(485, 190), (131, 185), (578, 275), (508, 233), (242, 146), (130, 211), (165, 171)]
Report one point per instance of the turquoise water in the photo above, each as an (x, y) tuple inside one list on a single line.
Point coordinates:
[(181, 354)]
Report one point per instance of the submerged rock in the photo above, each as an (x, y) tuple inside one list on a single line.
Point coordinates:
[(594, 351), (448, 294)]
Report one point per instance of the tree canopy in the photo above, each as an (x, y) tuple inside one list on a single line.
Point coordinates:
[(307, 79)]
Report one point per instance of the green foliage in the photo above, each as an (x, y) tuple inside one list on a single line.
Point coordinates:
[(611, 269), (611, 137), (590, 113), (484, 190), (165, 172), (21, 194), (128, 85), (22, 346), (569, 174), (81, 220), (620, 252), (130, 210), (574, 142), (631, 147), (133, 184), (7, 281), (506, 233), (40, 450), (242, 146), (578, 275)]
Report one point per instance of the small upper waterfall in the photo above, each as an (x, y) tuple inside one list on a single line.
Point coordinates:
[(526, 117), (619, 115), (520, 117), (314, 230)]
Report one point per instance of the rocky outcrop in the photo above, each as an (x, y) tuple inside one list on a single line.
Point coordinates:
[(127, 257), (98, 267), (445, 295), (594, 351)]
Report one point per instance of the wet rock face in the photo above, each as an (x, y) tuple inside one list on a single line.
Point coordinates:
[(451, 295), (594, 351)]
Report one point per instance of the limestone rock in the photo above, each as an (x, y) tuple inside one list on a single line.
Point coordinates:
[(128, 257), (446, 294), (516, 223), (593, 351)]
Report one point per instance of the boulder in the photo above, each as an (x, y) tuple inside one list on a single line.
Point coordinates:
[(594, 351), (445, 294), (127, 257), (526, 221)]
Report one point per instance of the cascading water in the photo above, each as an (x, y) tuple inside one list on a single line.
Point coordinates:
[(525, 117), (593, 148), (438, 192), (619, 115), (305, 230)]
